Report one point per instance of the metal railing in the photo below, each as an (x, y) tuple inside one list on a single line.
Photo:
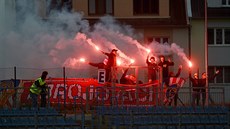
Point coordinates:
[(123, 95), (12, 75)]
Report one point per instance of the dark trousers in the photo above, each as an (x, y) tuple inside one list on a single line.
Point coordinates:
[(203, 94), (43, 99), (174, 99), (195, 98), (34, 98), (152, 76), (108, 75)]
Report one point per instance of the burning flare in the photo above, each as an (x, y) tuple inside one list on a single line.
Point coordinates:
[(118, 62), (189, 64), (132, 61), (97, 48), (82, 59), (148, 51)]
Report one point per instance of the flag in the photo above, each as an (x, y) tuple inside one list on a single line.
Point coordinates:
[(175, 83), (179, 81)]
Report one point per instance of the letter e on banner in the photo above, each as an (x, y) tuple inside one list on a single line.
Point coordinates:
[(101, 75)]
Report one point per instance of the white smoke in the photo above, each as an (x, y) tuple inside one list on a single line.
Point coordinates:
[(167, 49), (180, 52), (160, 49), (63, 38)]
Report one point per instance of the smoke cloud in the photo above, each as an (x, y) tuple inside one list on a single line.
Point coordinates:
[(64, 38)]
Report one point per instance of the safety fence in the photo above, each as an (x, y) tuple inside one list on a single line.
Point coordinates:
[(81, 96), (67, 84), (88, 94)]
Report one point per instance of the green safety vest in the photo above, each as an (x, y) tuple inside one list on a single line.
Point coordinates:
[(37, 90)]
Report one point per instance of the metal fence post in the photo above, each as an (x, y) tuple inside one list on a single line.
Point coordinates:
[(15, 88), (64, 77)]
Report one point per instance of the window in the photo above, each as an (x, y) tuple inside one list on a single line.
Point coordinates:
[(100, 7), (58, 5), (222, 77), (146, 7), (210, 36), (227, 36), (226, 2), (158, 39), (161, 41), (218, 36)]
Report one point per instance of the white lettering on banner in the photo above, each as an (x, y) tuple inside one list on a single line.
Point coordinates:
[(145, 98), (79, 89), (97, 93), (75, 87), (59, 91), (102, 95), (70, 95), (101, 75), (91, 92), (127, 96), (51, 86)]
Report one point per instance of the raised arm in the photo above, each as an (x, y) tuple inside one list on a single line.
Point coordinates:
[(179, 71), (213, 77), (125, 72), (105, 53), (93, 64), (147, 59)]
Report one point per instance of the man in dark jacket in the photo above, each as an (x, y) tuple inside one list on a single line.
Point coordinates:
[(101, 65), (165, 66), (39, 87), (202, 84), (195, 89), (152, 68), (167, 80), (127, 79), (112, 63)]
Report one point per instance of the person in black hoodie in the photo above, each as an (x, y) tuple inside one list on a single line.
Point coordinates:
[(202, 84), (152, 68), (165, 66), (101, 65), (112, 63), (167, 80), (195, 89), (129, 79)]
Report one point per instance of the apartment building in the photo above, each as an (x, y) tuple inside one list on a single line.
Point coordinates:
[(218, 39)]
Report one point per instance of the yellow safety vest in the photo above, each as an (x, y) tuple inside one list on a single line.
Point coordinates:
[(37, 90)]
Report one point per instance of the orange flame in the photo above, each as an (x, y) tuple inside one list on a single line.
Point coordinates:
[(190, 64), (82, 59), (118, 62), (132, 61), (148, 50), (97, 48)]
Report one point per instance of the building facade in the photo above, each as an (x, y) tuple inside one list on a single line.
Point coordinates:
[(218, 31)]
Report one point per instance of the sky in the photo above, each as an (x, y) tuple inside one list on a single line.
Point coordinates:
[(67, 37)]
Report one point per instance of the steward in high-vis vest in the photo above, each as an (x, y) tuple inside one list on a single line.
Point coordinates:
[(38, 88)]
